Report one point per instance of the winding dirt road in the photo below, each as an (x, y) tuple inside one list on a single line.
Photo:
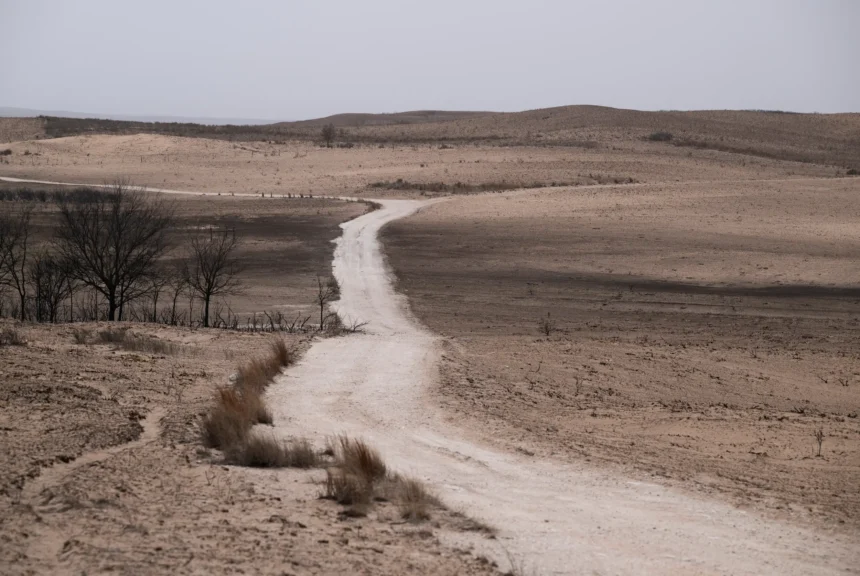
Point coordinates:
[(556, 518)]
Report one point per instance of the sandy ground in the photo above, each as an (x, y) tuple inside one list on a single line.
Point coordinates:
[(302, 168), (102, 471), (556, 518), (703, 333)]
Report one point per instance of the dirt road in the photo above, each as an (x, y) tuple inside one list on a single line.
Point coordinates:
[(555, 518)]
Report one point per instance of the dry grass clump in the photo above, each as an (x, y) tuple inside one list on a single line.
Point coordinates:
[(356, 457), (237, 409), (259, 372), (123, 339), (11, 337), (267, 451), (359, 477), (412, 498), (346, 489), (82, 336), (229, 420)]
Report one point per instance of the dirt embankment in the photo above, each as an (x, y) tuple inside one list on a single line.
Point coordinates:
[(702, 333)]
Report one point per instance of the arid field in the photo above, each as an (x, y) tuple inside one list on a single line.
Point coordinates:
[(679, 310)]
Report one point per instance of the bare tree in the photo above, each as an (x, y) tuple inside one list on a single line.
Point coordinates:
[(213, 269), (50, 280), (327, 291), (114, 241), (14, 244), (328, 134), (178, 287)]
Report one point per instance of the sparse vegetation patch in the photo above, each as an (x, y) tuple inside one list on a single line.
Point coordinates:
[(660, 136)]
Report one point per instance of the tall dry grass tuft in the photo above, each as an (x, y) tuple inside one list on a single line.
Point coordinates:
[(235, 410), (346, 489), (124, 339), (267, 451), (359, 476), (412, 498), (356, 457), (228, 421), (284, 354), (257, 373)]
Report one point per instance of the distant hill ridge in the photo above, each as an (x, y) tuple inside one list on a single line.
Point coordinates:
[(830, 139)]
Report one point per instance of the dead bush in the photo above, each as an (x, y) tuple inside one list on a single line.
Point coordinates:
[(11, 337), (546, 325)]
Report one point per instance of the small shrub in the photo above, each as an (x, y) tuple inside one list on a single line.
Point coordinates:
[(853, 172), (6, 152), (11, 337), (546, 325), (660, 136), (819, 437)]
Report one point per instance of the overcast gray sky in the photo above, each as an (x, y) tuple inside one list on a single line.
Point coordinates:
[(301, 59)]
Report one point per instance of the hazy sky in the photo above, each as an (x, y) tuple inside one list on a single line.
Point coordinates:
[(301, 59)]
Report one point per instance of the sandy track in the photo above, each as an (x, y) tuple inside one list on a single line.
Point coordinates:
[(558, 518)]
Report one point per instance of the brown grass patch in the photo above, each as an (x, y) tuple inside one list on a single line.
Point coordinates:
[(345, 488), (228, 421), (124, 339), (11, 337), (359, 459), (259, 372), (412, 498), (359, 477), (235, 410), (267, 451)]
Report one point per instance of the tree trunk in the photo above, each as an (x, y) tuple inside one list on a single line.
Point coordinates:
[(206, 311), (112, 306)]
